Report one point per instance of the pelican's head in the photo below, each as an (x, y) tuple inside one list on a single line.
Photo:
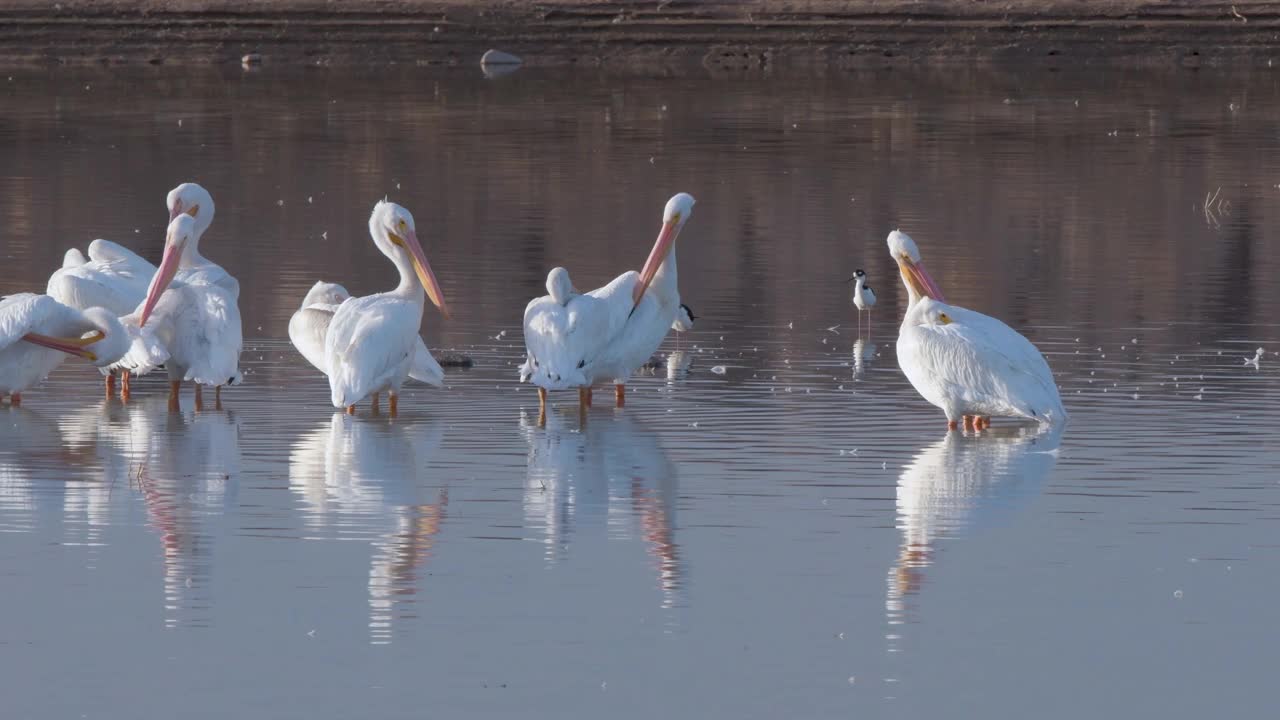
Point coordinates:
[(559, 286), (326, 293), (677, 212), (182, 233), (932, 313), (917, 280), (193, 200), (113, 344), (395, 235)]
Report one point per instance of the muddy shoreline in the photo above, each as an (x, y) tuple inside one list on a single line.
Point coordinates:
[(718, 34)]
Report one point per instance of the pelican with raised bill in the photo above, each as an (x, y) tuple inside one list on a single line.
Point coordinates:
[(309, 327), (970, 365), (191, 327), (37, 333), (574, 340), (369, 347)]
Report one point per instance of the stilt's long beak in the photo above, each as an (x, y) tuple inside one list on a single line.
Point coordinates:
[(70, 346), (423, 269), (661, 247)]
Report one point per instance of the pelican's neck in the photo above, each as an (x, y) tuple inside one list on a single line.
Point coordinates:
[(665, 283), (191, 256), (410, 287)]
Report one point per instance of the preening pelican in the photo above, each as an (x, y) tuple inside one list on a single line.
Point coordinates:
[(310, 324), (37, 333), (192, 327), (969, 364), (608, 333), (370, 345), (863, 298), (116, 278)]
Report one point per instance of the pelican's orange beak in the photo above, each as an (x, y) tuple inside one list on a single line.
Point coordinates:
[(914, 274), (661, 247), (423, 268), (70, 346)]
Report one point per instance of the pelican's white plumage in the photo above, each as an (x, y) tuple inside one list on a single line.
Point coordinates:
[(577, 340), (37, 333), (370, 344), (310, 325), (968, 363), (112, 277), (964, 362), (564, 330), (190, 326)]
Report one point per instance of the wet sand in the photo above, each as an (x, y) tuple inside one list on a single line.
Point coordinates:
[(744, 35)]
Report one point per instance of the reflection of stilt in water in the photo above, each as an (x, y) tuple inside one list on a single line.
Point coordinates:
[(393, 573), (864, 351)]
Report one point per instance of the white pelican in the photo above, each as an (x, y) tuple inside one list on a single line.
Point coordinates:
[(863, 298), (608, 333), (371, 342), (116, 278), (310, 324), (37, 333), (969, 364), (192, 327)]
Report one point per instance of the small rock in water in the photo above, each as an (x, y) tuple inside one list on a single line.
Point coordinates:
[(251, 59), (497, 57)]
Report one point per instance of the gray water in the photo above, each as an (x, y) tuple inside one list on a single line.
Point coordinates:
[(798, 537)]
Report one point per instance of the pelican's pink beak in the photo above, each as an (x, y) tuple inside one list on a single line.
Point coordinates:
[(70, 346), (423, 269), (920, 280), (666, 239), (160, 281)]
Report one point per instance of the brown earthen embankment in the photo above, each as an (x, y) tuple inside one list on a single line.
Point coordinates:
[(743, 33)]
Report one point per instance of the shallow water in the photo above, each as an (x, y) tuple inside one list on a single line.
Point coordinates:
[(796, 537)]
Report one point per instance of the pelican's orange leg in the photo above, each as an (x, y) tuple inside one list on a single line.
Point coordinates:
[(394, 402), (199, 399), (174, 387), (590, 396), (15, 399), (620, 395), (111, 384), (124, 385), (217, 398), (373, 408), (984, 422), (952, 425), (584, 398), (351, 409), (970, 422)]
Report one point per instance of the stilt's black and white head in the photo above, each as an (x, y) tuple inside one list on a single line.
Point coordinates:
[(684, 319)]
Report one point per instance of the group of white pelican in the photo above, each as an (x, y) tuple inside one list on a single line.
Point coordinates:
[(129, 317)]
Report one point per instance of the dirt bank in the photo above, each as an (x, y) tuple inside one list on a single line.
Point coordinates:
[(722, 33)]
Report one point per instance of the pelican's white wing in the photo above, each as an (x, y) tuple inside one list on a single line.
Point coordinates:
[(113, 277), (982, 365), (370, 346), (564, 341), (634, 334), (23, 313), (307, 330), (423, 367), (209, 273)]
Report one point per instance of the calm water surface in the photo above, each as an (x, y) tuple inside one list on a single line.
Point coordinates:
[(796, 537)]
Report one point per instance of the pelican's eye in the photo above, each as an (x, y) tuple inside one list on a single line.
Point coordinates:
[(944, 318), (195, 210)]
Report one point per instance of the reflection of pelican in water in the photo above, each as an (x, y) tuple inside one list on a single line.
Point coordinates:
[(864, 351), (961, 482), (183, 464), (585, 476), (363, 470)]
